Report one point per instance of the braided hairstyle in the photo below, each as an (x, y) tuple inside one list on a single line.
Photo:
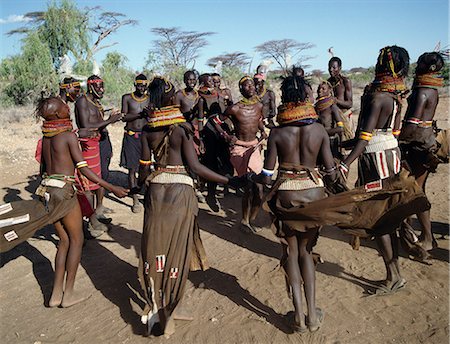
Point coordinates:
[(393, 60), (160, 92), (429, 62), (293, 89)]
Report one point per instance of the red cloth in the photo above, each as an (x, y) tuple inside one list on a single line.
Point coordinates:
[(246, 157), (90, 147), (38, 153)]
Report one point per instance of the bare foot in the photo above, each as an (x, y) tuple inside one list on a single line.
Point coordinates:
[(427, 245), (55, 299), (170, 327), (314, 326), (73, 298)]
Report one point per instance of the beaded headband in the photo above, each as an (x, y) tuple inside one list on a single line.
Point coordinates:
[(72, 84), (94, 81), (244, 79)]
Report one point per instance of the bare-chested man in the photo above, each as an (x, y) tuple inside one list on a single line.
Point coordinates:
[(342, 90), (330, 116), (245, 147), (379, 159), (188, 97), (267, 98), (417, 138), (216, 157), (69, 90), (89, 114), (58, 202), (133, 105)]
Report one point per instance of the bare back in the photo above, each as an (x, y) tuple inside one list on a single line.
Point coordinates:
[(299, 145), (57, 154), (422, 104)]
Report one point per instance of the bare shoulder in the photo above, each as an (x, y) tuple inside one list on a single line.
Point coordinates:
[(81, 101), (346, 81), (126, 96)]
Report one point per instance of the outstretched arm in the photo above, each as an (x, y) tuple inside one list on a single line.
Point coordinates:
[(265, 177), (81, 165), (85, 120), (145, 162), (365, 135), (190, 156)]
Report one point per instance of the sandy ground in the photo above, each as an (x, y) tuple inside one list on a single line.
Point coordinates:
[(240, 299)]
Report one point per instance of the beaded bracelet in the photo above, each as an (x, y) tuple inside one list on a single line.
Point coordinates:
[(81, 164)]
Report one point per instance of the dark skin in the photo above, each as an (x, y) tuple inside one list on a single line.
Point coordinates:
[(268, 99), (206, 101), (422, 105), (70, 94), (135, 119), (60, 154), (377, 111), (88, 116), (299, 145), (188, 99), (247, 121), (330, 116), (224, 93), (181, 152), (301, 73), (342, 87)]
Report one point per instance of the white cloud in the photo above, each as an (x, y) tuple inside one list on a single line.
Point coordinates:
[(15, 18)]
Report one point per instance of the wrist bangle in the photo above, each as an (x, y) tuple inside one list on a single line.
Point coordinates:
[(330, 170), (81, 164), (343, 167), (145, 162), (267, 173)]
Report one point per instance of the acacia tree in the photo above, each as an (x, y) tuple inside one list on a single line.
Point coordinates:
[(63, 27), (29, 74), (67, 29), (107, 23), (285, 52), (176, 48), (236, 59)]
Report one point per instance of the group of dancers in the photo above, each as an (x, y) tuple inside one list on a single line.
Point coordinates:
[(176, 141)]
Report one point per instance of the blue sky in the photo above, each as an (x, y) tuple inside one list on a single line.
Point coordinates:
[(356, 29)]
